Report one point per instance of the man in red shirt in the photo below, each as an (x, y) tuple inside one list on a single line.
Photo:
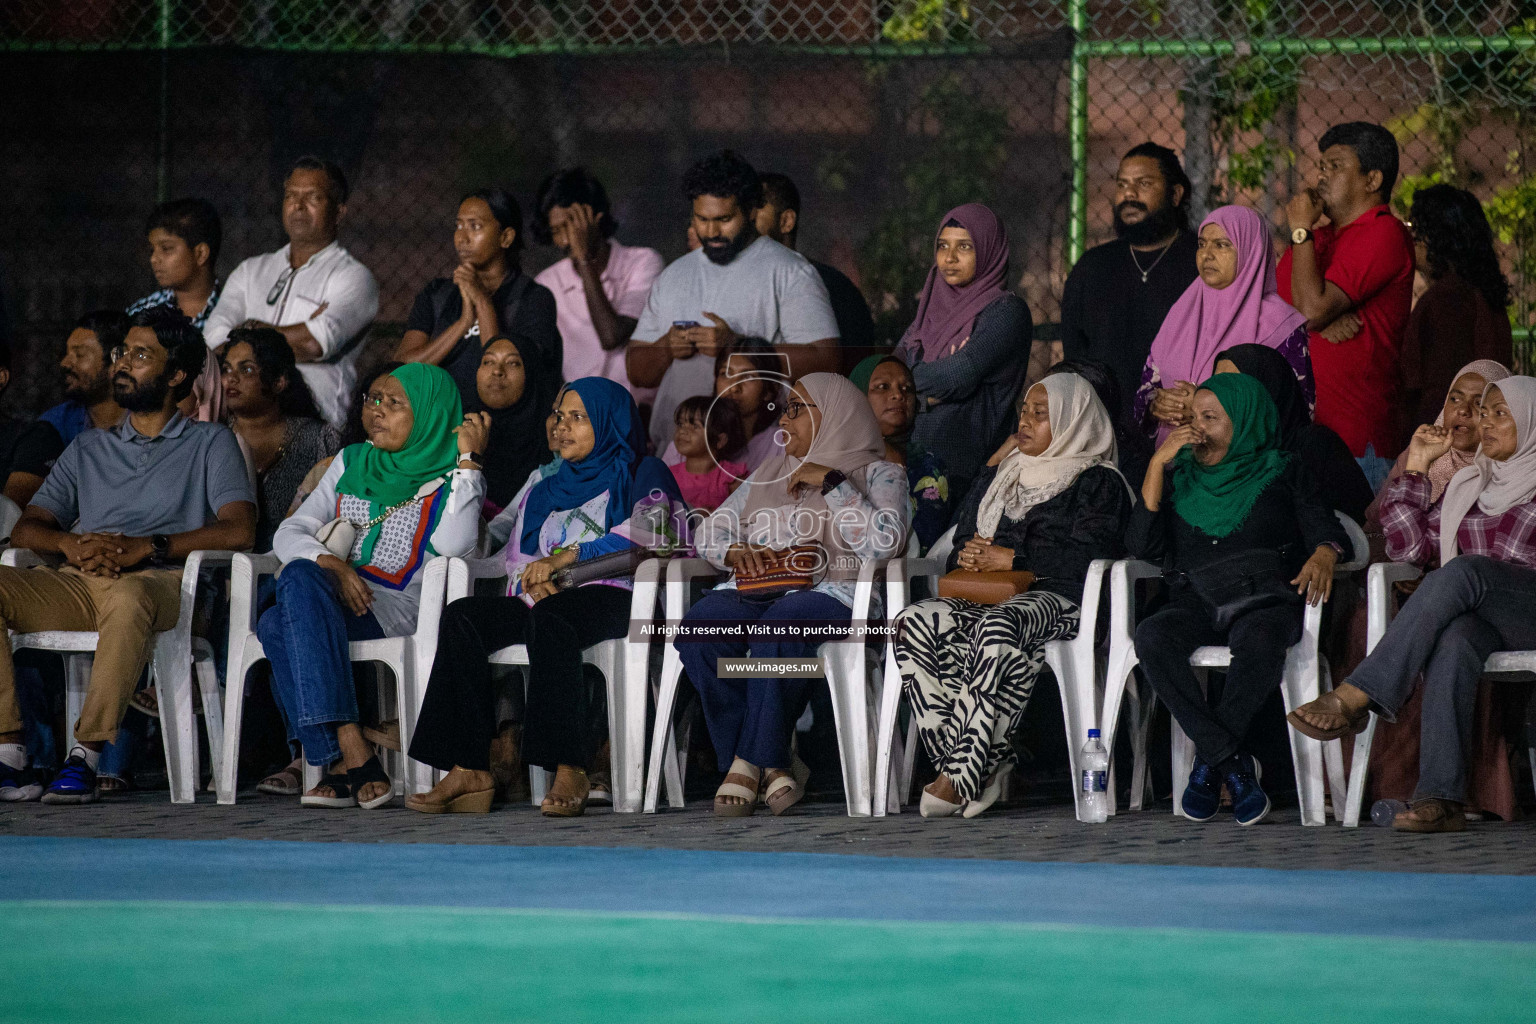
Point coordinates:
[(1353, 280)]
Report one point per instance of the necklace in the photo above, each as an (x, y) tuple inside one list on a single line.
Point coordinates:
[(1155, 262)]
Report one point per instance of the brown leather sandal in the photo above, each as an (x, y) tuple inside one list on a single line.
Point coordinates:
[(1330, 705), (1432, 815), (740, 785), (569, 782)]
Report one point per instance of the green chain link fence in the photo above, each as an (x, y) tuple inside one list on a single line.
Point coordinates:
[(885, 113)]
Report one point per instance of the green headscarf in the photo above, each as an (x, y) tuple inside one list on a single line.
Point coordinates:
[(1216, 499), (385, 479)]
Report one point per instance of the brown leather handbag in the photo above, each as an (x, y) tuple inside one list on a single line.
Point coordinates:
[(794, 568), (985, 587)]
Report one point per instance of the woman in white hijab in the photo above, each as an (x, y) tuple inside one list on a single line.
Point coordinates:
[(832, 491), (1482, 599), (1050, 501)]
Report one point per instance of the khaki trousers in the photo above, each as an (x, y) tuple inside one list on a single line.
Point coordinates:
[(126, 612)]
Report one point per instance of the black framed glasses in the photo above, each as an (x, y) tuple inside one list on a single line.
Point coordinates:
[(277, 289)]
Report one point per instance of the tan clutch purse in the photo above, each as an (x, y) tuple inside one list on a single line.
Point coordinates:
[(985, 587)]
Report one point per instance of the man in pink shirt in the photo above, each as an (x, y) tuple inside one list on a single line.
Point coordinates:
[(601, 287)]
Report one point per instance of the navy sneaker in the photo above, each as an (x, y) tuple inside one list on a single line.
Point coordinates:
[(75, 783), (1250, 804), (1203, 794), (19, 784)]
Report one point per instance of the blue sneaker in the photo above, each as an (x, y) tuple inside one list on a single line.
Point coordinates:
[(75, 783), (1202, 796), (1250, 804), (19, 784)]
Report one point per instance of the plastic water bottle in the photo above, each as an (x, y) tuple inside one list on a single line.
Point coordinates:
[(1383, 811), (1095, 762)]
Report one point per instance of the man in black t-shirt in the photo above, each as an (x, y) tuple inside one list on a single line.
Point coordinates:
[(27, 449), (1118, 294), (779, 219)]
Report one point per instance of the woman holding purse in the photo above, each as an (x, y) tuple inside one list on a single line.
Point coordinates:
[(833, 501), (606, 499), (1048, 503), (352, 557)]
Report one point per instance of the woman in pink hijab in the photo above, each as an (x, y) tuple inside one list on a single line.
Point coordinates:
[(1232, 302), (969, 344)]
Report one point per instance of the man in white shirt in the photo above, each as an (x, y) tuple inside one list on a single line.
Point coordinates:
[(736, 284), (311, 290)]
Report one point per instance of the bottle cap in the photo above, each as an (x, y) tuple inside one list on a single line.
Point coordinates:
[(1093, 734)]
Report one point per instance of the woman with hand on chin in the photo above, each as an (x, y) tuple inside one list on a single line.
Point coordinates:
[(1245, 538), (1049, 501), (411, 491), (1482, 599), (606, 497), (831, 489)]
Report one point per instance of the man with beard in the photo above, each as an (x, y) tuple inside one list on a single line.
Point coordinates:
[(736, 284), (124, 507), (1117, 295), (312, 291), (87, 375), (1352, 278)]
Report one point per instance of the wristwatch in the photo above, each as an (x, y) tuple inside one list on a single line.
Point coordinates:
[(469, 457), (833, 478), (1299, 235), (160, 549)]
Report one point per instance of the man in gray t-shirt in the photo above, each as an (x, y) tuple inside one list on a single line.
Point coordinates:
[(124, 506), (736, 284)]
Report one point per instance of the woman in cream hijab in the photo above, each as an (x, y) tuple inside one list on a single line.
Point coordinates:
[(1481, 600), (1050, 501), (833, 490)]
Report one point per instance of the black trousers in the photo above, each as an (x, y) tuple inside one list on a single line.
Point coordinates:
[(1166, 639), (458, 712)]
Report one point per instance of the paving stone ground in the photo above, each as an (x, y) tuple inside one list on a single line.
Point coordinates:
[(1035, 832)]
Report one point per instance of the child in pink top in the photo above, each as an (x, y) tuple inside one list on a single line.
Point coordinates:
[(703, 475)]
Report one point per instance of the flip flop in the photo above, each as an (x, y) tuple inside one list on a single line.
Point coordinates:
[(287, 782), (1328, 704)]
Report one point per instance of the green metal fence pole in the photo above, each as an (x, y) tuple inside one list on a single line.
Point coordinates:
[(1077, 131), (162, 149)]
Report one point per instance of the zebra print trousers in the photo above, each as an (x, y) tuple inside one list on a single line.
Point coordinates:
[(968, 671)]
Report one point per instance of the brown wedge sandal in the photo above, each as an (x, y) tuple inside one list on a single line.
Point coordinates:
[(1328, 705), (471, 801), (741, 782), (785, 789), (569, 782)]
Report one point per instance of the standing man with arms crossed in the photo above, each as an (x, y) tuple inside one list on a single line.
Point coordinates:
[(311, 290)]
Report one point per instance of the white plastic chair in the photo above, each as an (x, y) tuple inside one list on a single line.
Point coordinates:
[(843, 661), (409, 659), (10, 514), (1511, 666), (1076, 664), (624, 664), (171, 663), (1306, 676)]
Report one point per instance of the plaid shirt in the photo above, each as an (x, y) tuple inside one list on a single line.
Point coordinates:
[(1412, 526), (167, 297)]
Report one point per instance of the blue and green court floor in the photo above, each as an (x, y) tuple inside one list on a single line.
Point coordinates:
[(508, 920)]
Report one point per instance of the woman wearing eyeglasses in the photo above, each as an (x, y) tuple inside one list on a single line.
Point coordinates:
[(834, 493), (412, 491)]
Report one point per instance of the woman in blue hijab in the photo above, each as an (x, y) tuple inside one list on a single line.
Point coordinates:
[(605, 498)]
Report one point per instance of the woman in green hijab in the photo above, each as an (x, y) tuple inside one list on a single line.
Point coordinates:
[(352, 559), (1245, 541)]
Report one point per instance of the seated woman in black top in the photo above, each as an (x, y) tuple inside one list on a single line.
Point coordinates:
[(1245, 515), (455, 318), (1050, 501), (1322, 451)]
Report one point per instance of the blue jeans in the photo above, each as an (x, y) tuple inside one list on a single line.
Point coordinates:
[(1375, 468), (305, 636), (751, 718)]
